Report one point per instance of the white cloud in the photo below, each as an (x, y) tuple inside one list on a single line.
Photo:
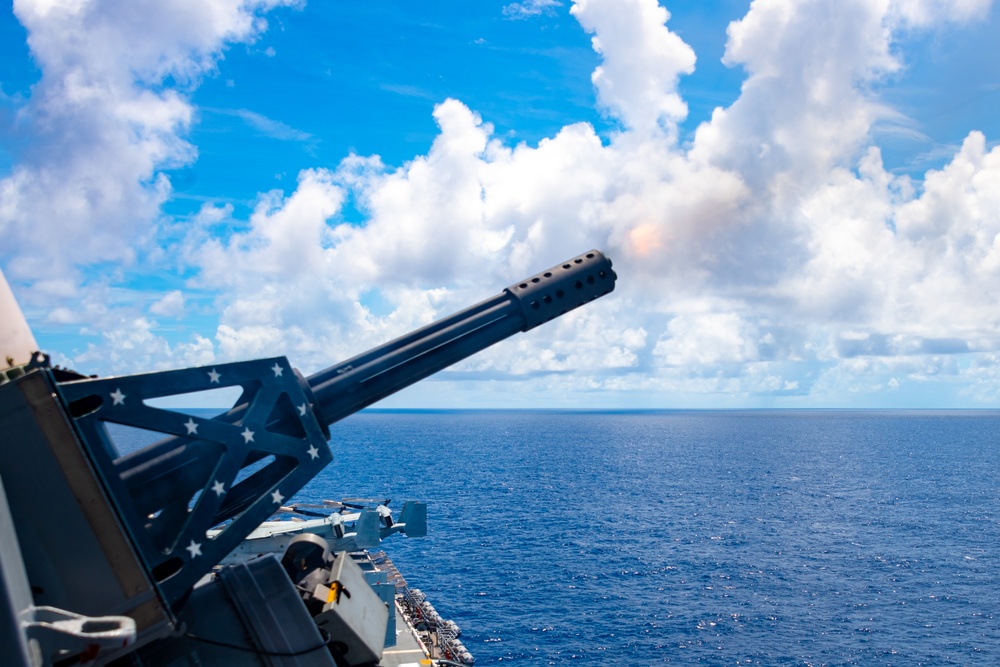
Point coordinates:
[(102, 125), (130, 342), (171, 305), (924, 13), (524, 10), (642, 60), (949, 237), (708, 340), (773, 255), (745, 258), (286, 237), (802, 110)]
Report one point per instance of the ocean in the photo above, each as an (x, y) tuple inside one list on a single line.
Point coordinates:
[(694, 537)]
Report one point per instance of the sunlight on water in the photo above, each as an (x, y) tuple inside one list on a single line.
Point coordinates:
[(719, 538), (757, 538)]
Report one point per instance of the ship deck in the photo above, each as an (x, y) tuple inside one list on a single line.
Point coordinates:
[(409, 650)]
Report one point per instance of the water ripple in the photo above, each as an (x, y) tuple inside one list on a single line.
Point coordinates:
[(717, 538)]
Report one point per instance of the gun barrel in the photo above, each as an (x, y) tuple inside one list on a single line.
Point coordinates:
[(164, 472), (358, 382)]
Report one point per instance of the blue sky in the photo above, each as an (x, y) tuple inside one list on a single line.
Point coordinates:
[(800, 197)]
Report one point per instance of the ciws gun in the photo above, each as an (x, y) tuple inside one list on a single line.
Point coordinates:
[(112, 557)]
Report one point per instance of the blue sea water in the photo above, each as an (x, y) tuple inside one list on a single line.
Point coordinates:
[(711, 538)]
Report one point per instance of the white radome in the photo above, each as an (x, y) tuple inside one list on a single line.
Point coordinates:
[(17, 343)]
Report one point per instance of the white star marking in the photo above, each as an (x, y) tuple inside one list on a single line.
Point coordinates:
[(277, 497), (213, 377), (247, 435), (194, 548), (191, 427), (118, 397), (313, 452), (219, 488), (302, 409), (277, 369)]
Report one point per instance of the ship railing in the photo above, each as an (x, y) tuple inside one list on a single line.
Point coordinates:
[(442, 636)]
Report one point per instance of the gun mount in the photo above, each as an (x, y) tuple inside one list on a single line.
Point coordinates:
[(108, 548)]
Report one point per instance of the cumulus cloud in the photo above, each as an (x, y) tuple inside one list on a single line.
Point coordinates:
[(707, 341), (642, 60), (100, 125), (132, 342), (771, 255)]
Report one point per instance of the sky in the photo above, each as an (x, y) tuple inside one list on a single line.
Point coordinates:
[(801, 197)]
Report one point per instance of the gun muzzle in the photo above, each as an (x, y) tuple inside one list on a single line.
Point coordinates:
[(358, 382)]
